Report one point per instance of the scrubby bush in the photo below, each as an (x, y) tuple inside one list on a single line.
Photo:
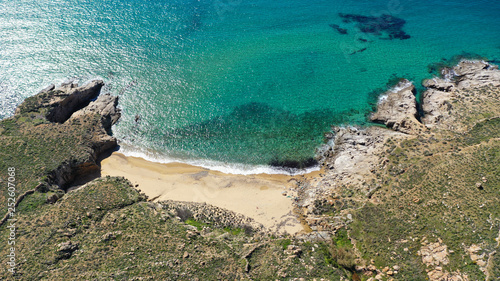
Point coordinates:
[(184, 214)]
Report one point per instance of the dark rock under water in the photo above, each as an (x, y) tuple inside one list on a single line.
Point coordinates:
[(388, 24), (293, 164), (255, 133), (339, 29), (358, 51)]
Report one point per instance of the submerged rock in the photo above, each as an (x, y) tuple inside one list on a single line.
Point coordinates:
[(341, 30), (358, 51), (388, 24), (294, 164)]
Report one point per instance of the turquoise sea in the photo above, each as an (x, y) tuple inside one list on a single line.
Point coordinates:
[(230, 84)]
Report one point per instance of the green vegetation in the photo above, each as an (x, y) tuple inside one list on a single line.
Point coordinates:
[(197, 224), (106, 229), (482, 132), (434, 189), (285, 243), (341, 239), (120, 236), (438, 188)]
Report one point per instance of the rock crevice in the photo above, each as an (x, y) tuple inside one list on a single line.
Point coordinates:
[(69, 98), (70, 108), (442, 92), (397, 109)]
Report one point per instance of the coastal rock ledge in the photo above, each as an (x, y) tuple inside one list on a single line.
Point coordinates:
[(446, 98), (458, 84), (397, 109), (79, 113)]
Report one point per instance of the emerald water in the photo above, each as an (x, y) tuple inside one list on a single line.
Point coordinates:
[(233, 85)]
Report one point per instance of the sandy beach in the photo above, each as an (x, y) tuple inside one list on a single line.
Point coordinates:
[(260, 197)]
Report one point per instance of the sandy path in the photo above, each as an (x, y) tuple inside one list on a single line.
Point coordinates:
[(256, 196)]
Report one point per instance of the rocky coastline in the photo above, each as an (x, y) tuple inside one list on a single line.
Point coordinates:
[(354, 154), (368, 175), (359, 162), (72, 105)]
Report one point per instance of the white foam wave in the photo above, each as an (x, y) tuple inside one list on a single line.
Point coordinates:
[(228, 168), (398, 87), (401, 86), (382, 98)]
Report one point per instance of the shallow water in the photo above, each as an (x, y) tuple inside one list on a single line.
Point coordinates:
[(232, 84)]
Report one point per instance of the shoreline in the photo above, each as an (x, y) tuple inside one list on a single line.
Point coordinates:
[(266, 198), (393, 202), (213, 165)]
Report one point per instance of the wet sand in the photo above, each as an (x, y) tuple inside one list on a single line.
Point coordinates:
[(257, 196)]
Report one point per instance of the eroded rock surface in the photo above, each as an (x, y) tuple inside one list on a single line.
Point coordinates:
[(69, 98), (349, 163), (73, 111), (435, 256), (455, 85), (105, 106), (397, 109)]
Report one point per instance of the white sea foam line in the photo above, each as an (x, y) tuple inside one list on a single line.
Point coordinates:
[(398, 88), (233, 168)]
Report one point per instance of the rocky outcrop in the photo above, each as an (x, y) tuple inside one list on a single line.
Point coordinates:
[(476, 74), (352, 157), (65, 250), (349, 162), (397, 109), (211, 214), (57, 104), (68, 98), (77, 110), (105, 106), (441, 93), (435, 256), (436, 101)]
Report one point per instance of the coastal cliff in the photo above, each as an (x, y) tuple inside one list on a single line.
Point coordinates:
[(414, 198), (72, 113)]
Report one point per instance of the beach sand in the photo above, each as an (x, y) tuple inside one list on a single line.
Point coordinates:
[(256, 196)]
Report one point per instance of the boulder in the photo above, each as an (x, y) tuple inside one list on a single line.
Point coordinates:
[(66, 249)]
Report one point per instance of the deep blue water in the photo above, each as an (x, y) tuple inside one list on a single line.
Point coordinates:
[(232, 84)]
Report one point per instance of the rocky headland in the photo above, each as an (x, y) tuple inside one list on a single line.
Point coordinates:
[(69, 127), (416, 197), (70, 107), (408, 171), (455, 88)]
